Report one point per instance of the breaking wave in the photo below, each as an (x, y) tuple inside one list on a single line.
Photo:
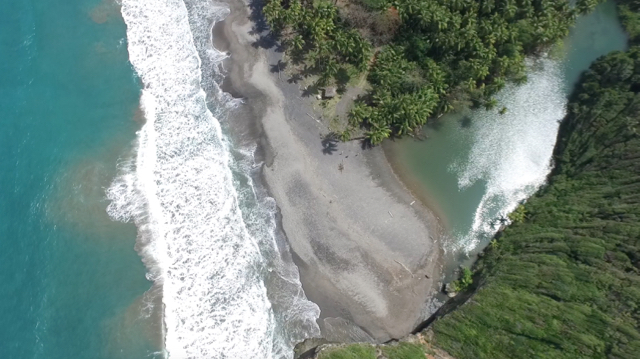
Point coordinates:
[(207, 229)]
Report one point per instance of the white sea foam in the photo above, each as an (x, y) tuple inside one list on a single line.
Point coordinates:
[(214, 250), (511, 153)]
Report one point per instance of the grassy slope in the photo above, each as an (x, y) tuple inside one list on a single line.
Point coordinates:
[(403, 350), (565, 283)]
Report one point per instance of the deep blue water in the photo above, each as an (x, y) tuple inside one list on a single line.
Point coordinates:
[(70, 280)]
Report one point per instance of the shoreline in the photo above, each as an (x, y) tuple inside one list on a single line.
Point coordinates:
[(412, 184), (353, 233)]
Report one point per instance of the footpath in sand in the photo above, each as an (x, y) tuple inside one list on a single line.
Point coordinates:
[(366, 249)]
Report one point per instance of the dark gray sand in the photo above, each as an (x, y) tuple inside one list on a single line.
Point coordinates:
[(367, 250)]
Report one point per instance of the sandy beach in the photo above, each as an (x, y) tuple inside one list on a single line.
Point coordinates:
[(367, 250)]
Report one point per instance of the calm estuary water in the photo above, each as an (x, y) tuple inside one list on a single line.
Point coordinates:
[(476, 166)]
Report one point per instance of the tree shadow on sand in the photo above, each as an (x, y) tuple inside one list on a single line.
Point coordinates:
[(295, 79), (256, 16), (266, 39), (278, 67), (330, 143), (266, 42), (310, 91)]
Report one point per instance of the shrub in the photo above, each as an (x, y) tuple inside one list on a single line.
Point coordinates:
[(353, 351)]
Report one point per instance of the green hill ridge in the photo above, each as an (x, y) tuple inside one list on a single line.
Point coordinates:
[(565, 282)]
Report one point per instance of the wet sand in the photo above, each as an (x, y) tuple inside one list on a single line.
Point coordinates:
[(367, 250)]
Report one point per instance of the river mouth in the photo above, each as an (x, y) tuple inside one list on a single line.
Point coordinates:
[(476, 166)]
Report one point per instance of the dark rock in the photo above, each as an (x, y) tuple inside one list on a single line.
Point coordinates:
[(307, 349), (449, 289)]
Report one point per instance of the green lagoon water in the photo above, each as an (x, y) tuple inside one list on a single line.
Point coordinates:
[(475, 167), (71, 284)]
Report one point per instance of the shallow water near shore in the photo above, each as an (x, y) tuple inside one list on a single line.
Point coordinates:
[(83, 155), (71, 284), (475, 167)]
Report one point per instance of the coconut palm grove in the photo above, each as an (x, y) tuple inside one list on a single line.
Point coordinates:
[(421, 58)]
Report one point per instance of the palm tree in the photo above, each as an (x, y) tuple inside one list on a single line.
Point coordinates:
[(359, 114), (490, 104), (273, 11), (457, 5), (297, 42), (345, 135), (408, 8), (445, 106), (509, 9), (295, 12), (377, 135), (341, 43), (361, 54), (487, 6), (330, 68)]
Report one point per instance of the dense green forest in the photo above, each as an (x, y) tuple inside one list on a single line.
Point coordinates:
[(565, 282), (629, 11), (422, 57)]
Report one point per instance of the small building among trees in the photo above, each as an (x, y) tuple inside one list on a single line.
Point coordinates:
[(330, 92)]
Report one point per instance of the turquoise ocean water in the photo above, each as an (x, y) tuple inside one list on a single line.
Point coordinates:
[(82, 145), (71, 284)]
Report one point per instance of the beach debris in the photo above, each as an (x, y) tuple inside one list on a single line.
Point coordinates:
[(330, 92), (390, 214), (315, 119), (404, 266), (411, 204)]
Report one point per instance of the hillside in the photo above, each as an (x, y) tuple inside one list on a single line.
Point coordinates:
[(565, 282)]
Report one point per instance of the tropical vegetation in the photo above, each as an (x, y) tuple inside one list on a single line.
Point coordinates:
[(466, 279), (564, 282), (403, 350), (629, 11), (353, 351), (422, 56), (316, 33)]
